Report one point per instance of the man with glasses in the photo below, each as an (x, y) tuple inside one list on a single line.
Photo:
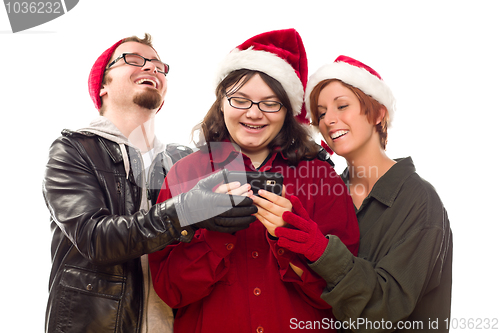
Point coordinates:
[(101, 185)]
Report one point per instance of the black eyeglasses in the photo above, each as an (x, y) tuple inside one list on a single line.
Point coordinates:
[(245, 104), (139, 61)]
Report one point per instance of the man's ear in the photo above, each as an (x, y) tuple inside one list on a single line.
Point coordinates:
[(103, 91)]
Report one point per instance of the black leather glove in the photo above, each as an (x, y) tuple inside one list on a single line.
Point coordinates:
[(202, 208), (232, 220)]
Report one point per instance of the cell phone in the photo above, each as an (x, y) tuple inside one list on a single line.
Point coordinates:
[(269, 181)]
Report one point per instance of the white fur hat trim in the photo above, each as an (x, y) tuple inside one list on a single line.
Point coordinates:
[(268, 63), (354, 76)]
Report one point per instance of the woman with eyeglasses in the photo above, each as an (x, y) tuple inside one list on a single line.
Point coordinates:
[(246, 281), (401, 279)]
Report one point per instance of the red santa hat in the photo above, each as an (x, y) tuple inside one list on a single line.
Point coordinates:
[(281, 55), (97, 73), (356, 74)]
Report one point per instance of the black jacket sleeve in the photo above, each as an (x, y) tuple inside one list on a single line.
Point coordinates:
[(92, 202)]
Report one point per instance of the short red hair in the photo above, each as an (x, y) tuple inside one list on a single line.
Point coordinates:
[(369, 107)]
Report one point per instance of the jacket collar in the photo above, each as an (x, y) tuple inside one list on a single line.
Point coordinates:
[(112, 149), (387, 188), (104, 128)]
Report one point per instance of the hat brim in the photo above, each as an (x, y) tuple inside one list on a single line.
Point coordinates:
[(268, 63), (356, 77)]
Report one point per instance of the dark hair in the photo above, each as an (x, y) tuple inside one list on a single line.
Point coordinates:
[(293, 140), (369, 107)]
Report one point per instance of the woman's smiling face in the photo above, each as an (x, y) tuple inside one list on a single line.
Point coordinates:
[(342, 123), (251, 129)]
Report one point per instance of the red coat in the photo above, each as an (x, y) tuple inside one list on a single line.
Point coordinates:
[(243, 282)]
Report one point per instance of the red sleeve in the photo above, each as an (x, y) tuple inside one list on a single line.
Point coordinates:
[(310, 285), (183, 273), (186, 272), (338, 218), (332, 209)]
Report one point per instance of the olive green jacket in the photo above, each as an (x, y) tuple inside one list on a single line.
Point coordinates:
[(402, 275)]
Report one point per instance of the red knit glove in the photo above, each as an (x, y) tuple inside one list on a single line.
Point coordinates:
[(308, 239)]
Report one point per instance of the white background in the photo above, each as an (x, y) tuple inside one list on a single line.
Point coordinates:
[(441, 59)]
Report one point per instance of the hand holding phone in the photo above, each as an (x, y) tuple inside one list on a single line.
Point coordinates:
[(271, 208), (269, 181)]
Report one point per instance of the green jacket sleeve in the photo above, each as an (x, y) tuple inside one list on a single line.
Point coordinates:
[(409, 280)]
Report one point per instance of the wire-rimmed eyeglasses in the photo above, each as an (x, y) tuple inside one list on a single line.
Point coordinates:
[(139, 61)]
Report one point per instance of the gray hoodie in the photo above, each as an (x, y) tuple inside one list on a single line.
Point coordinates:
[(103, 127)]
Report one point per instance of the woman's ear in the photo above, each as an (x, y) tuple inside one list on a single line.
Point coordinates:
[(221, 106), (381, 115)]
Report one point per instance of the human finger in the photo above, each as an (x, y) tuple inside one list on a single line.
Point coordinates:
[(267, 224), (225, 188), (281, 201)]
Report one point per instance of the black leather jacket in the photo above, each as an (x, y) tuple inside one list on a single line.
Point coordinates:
[(99, 235)]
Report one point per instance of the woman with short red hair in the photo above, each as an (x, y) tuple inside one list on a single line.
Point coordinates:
[(401, 278)]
